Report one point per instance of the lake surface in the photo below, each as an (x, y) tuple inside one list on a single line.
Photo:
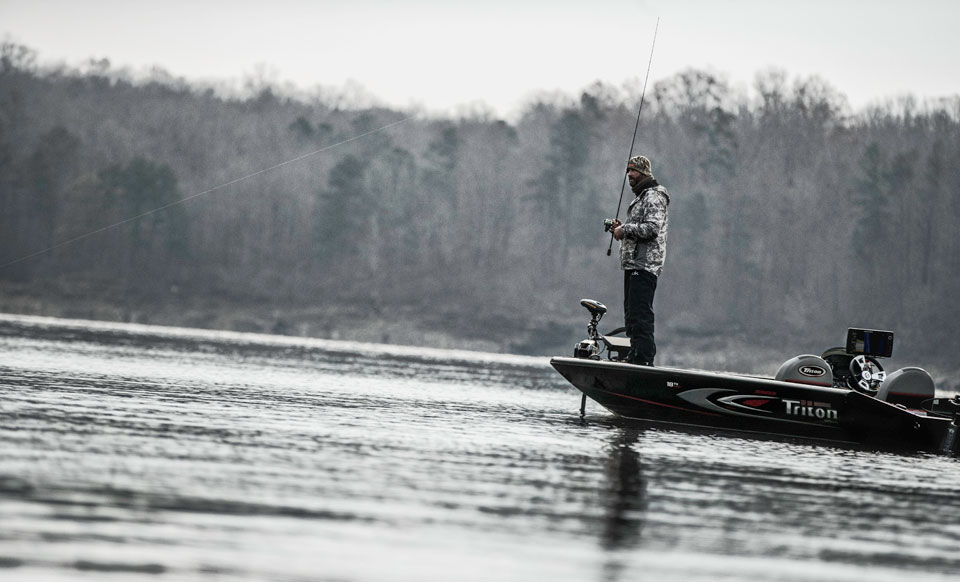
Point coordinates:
[(146, 453)]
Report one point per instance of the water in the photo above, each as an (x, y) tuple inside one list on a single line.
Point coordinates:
[(139, 453)]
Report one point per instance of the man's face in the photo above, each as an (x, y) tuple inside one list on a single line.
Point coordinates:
[(634, 176)]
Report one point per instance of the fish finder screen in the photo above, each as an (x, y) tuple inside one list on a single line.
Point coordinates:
[(870, 342)]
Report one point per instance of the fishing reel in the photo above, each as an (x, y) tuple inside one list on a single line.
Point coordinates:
[(607, 227)]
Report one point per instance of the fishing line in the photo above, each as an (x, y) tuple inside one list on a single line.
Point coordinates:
[(199, 194), (635, 127)]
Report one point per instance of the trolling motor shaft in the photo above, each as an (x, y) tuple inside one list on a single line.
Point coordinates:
[(590, 347)]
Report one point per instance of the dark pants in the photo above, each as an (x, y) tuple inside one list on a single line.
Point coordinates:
[(638, 290)]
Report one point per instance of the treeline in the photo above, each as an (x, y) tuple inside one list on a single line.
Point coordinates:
[(791, 216)]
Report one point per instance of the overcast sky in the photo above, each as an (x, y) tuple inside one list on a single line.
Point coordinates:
[(442, 54)]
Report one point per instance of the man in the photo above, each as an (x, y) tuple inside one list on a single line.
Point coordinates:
[(643, 245)]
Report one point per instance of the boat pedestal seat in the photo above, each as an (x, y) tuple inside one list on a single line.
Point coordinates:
[(907, 386), (806, 369)]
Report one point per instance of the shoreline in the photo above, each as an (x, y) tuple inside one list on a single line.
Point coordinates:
[(410, 326), (398, 325)]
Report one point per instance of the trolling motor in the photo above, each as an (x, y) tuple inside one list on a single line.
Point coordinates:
[(590, 347)]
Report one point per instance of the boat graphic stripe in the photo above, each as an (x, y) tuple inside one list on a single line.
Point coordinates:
[(655, 403), (700, 397), (732, 401)]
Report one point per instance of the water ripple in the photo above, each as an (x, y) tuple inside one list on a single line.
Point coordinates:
[(183, 455)]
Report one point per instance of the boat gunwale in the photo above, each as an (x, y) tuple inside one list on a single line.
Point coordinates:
[(766, 380)]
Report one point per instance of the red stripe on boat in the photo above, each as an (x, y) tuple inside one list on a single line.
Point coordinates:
[(658, 403)]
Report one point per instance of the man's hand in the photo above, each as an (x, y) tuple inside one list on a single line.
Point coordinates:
[(617, 229)]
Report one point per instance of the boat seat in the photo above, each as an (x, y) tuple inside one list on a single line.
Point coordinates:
[(806, 369), (907, 386)]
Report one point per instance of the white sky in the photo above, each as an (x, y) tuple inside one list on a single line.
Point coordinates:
[(444, 54)]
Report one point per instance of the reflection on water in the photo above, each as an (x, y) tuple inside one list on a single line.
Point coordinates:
[(148, 453), (623, 500), (756, 506)]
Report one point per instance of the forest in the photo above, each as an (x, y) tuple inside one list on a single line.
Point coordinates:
[(792, 217)]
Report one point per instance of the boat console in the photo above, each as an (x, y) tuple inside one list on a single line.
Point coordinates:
[(856, 365)]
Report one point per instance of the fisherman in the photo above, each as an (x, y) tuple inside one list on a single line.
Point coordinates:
[(643, 245)]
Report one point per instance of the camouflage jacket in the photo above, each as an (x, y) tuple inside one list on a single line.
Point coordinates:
[(644, 243)]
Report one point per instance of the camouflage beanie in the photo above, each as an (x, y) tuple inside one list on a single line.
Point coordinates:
[(640, 164)]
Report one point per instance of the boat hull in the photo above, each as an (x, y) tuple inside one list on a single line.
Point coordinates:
[(748, 403)]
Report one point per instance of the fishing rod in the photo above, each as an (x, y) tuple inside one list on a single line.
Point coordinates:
[(635, 128), (191, 197)]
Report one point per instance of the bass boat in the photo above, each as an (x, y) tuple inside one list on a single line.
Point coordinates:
[(842, 395)]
